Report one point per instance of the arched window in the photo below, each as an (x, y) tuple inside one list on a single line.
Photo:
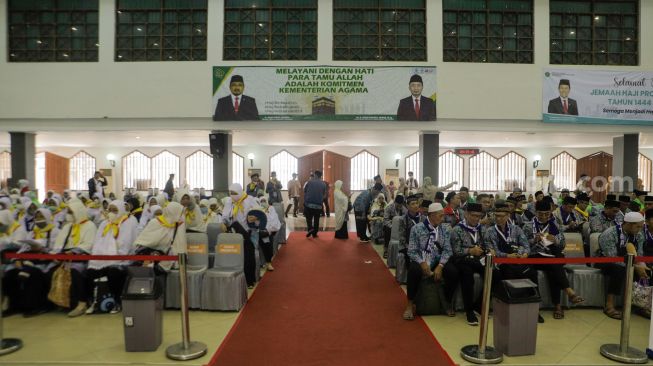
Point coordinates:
[(412, 165), (644, 171), (450, 169), (483, 172), (164, 164), (563, 170), (237, 169), (199, 170), (364, 166), (5, 168), (284, 164), (82, 168), (512, 171), (136, 171)]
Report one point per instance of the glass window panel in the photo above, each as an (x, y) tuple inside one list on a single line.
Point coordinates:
[(364, 166), (563, 168), (136, 171), (82, 167), (483, 174)]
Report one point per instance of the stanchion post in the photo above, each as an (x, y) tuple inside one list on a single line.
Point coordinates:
[(186, 350), (622, 352), (7, 345), (480, 353)]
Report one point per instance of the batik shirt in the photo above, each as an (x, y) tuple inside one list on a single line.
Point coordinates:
[(564, 219), (429, 244), (550, 227), (405, 226), (391, 211), (612, 242), (600, 223), (464, 237), (511, 240)]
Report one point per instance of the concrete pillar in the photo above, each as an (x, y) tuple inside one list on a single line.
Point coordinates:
[(625, 151), (429, 149), (23, 151), (221, 148)]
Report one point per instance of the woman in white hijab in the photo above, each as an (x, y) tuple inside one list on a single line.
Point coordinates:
[(376, 218), (114, 237), (164, 234), (76, 237), (341, 201), (234, 215), (192, 213), (10, 231), (25, 282)]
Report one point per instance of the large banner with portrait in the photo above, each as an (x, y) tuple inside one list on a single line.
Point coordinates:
[(318, 93), (588, 96)]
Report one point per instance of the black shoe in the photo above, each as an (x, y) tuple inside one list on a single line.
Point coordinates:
[(294, 215), (315, 234), (32, 313), (308, 234), (540, 319), (471, 318)]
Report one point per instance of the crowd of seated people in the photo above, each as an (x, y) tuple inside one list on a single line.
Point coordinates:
[(77, 223), (445, 235)]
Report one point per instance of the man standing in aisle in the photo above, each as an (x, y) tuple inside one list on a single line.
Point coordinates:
[(170, 187), (314, 192), (412, 184), (294, 188)]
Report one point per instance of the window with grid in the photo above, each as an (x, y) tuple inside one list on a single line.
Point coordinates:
[(53, 30), (284, 164), (199, 170), (379, 30), (161, 30), (5, 168), (364, 166), (644, 171), (497, 31), (412, 165), (563, 170), (270, 30), (450, 169), (164, 164), (136, 171), (237, 169), (594, 32), (483, 172), (512, 171), (82, 168)]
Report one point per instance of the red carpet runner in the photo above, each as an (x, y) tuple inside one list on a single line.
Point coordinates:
[(327, 305)]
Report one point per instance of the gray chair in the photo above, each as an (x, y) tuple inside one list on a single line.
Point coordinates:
[(213, 230), (401, 273), (224, 286), (393, 245), (594, 244), (280, 238), (198, 262), (589, 282), (574, 249)]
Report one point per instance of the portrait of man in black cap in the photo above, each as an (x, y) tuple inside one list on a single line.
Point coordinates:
[(416, 107), (236, 106), (563, 104)]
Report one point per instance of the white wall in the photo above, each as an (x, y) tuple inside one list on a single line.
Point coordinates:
[(179, 90)]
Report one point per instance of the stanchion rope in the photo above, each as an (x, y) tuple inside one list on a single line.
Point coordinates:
[(88, 257)]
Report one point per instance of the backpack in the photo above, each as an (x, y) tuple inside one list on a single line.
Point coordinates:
[(104, 301)]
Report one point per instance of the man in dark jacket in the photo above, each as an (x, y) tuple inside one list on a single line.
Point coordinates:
[(97, 184), (170, 187), (314, 193)]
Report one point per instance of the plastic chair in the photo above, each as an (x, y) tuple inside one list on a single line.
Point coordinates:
[(224, 286), (197, 248)]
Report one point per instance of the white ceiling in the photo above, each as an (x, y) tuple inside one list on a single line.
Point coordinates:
[(323, 138)]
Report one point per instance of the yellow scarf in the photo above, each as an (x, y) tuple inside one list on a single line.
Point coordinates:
[(585, 214), (164, 223), (190, 215), (75, 232), (114, 226), (42, 233), (12, 228), (238, 205), (138, 210)]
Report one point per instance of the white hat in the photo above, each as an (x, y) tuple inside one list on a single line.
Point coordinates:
[(633, 217), (435, 207)]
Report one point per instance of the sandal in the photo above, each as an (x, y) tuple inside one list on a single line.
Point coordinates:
[(576, 299), (385, 255), (408, 315), (558, 314), (612, 313)]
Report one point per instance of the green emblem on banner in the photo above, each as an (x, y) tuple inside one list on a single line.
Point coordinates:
[(219, 75)]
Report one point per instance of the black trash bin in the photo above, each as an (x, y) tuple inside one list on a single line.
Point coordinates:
[(142, 309), (516, 306)]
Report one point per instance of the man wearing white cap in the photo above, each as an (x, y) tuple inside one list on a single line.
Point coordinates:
[(429, 251), (617, 241)]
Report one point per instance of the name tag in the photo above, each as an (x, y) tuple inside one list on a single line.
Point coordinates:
[(229, 248), (196, 248)]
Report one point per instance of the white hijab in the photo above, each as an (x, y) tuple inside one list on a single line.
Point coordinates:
[(340, 201), (160, 237)]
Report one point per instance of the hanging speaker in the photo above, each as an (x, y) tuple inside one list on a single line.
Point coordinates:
[(218, 143)]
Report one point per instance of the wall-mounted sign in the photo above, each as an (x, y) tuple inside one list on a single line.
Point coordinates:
[(467, 151)]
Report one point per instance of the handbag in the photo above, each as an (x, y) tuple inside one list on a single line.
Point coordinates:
[(430, 299), (59, 292), (642, 294)]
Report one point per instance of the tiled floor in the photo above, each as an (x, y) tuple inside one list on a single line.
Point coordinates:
[(54, 339)]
